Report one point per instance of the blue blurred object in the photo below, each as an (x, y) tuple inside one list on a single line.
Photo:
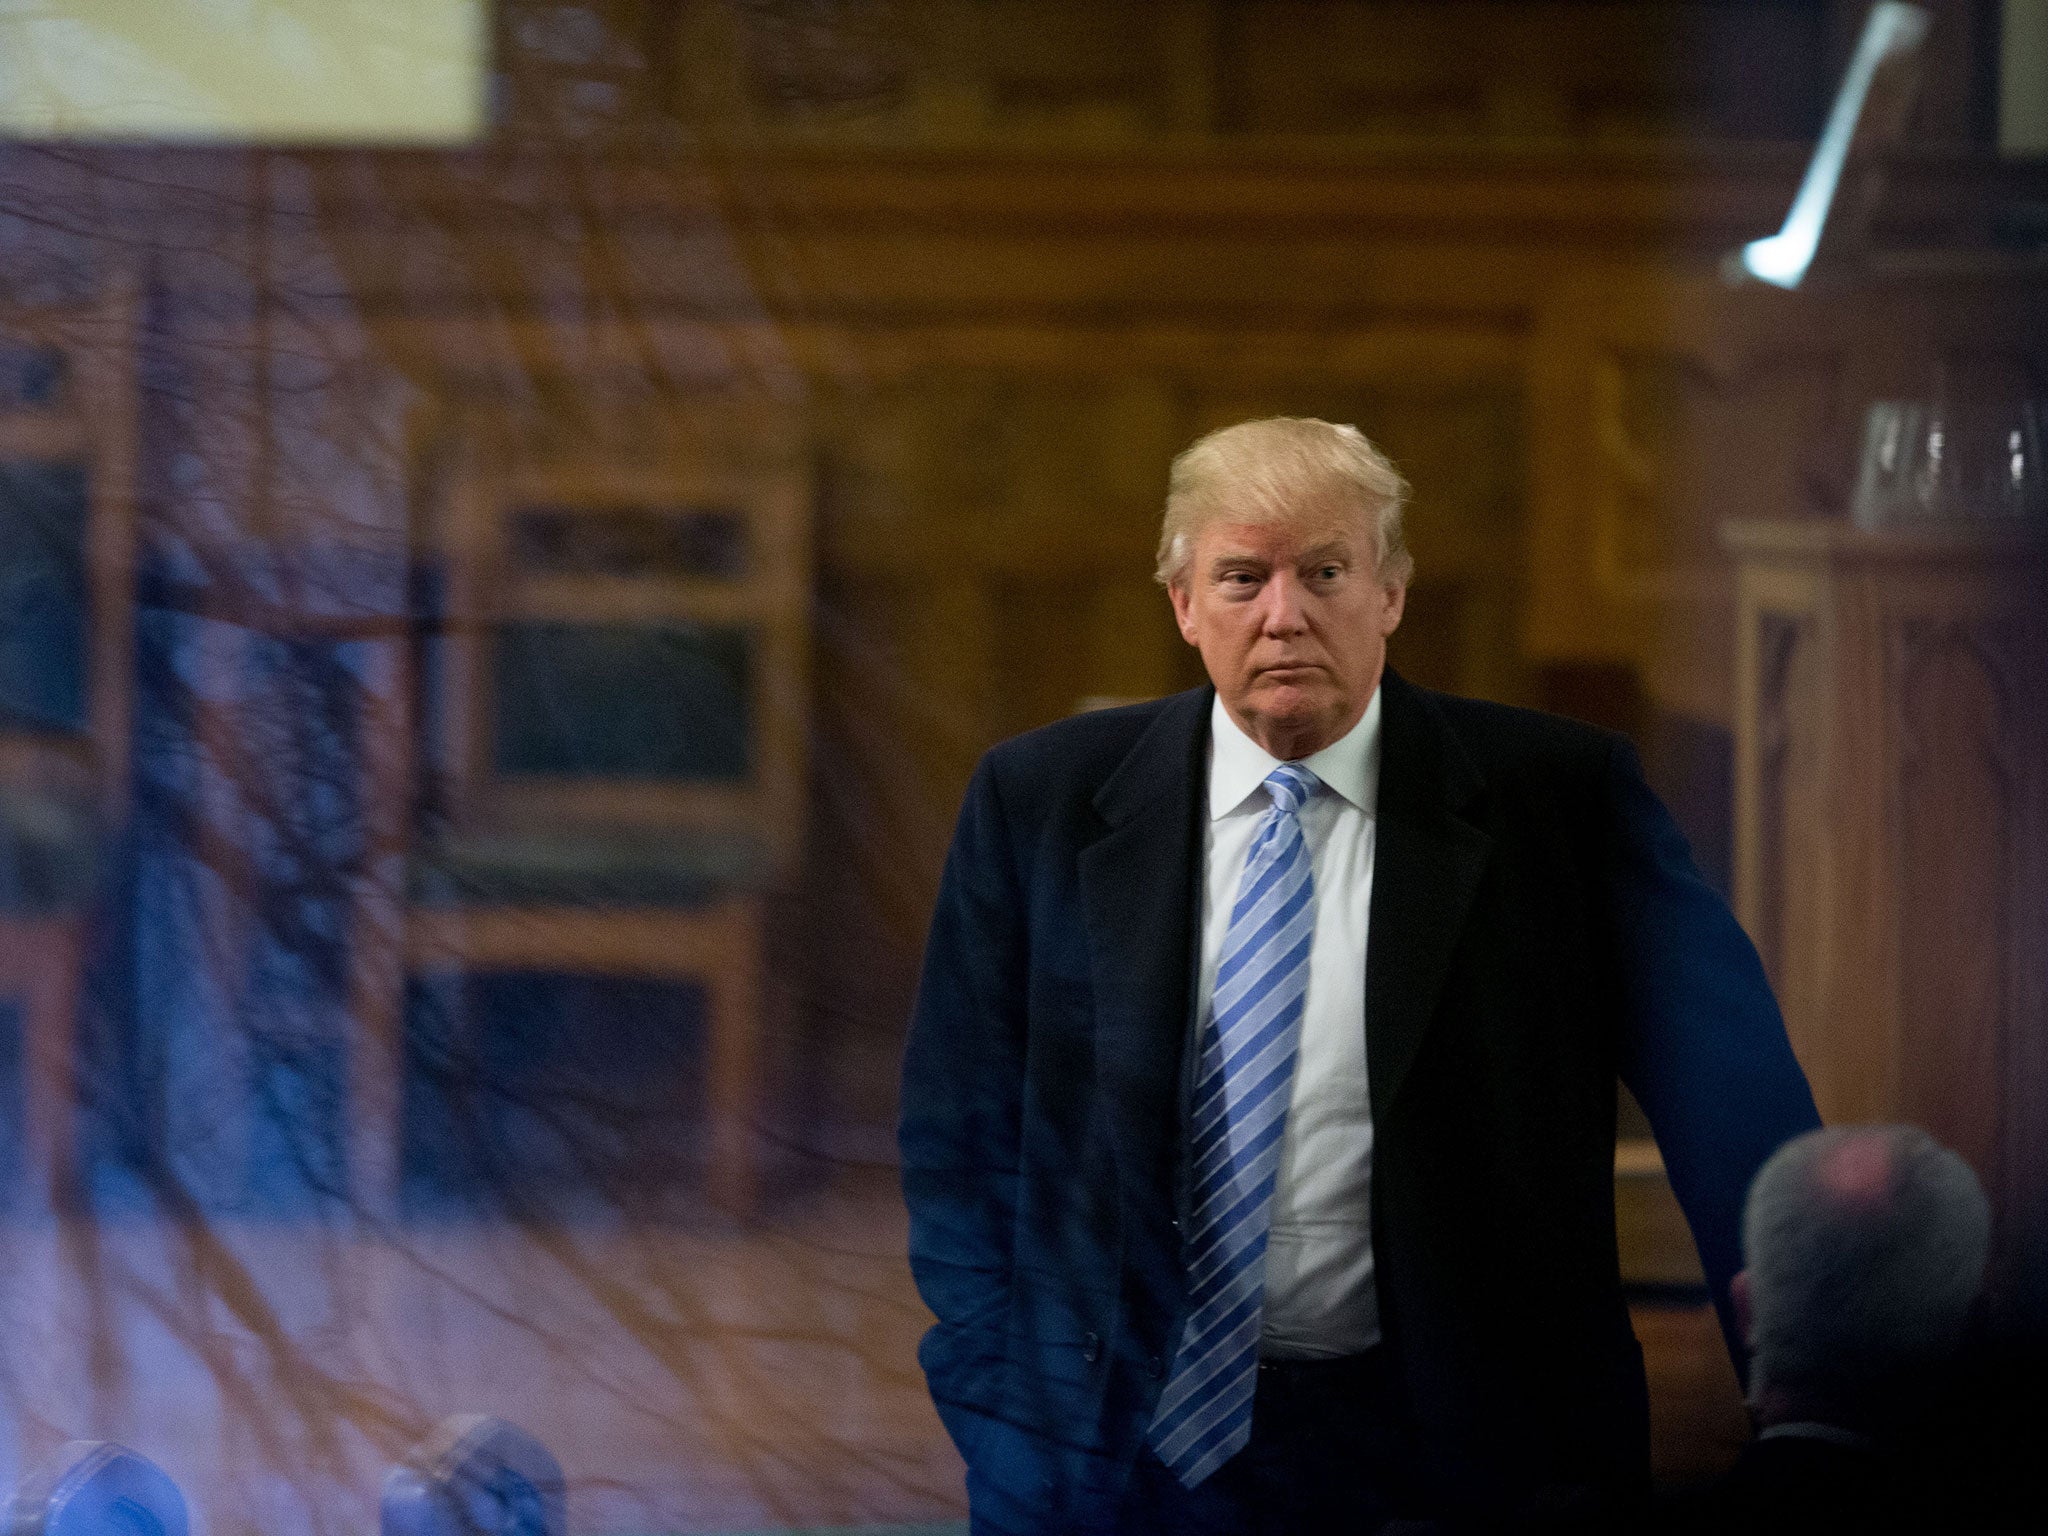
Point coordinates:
[(476, 1476), (97, 1488)]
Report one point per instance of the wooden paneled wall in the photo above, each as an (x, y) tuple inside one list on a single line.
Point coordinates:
[(966, 71), (1893, 820), (992, 276), (1664, 403)]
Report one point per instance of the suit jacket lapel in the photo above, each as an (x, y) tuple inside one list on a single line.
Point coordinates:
[(1139, 894), (1427, 862)]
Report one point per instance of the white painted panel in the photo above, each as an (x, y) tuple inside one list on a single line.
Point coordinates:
[(244, 71), (2023, 79)]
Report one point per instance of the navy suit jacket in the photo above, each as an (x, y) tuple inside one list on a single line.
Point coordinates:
[(1537, 928)]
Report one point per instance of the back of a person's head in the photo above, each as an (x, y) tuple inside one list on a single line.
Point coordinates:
[(1865, 1248)]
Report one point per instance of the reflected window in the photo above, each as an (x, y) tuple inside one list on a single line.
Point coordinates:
[(43, 602), (705, 543), (628, 701), (31, 378), (577, 1094)]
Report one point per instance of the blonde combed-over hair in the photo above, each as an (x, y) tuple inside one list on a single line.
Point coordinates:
[(1277, 470)]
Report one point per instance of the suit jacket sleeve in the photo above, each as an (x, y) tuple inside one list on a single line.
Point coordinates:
[(963, 1081), (1703, 1048)]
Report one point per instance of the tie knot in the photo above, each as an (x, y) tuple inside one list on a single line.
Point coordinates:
[(1290, 785)]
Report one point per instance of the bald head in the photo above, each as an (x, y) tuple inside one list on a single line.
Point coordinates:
[(1865, 1250), (1858, 1171)]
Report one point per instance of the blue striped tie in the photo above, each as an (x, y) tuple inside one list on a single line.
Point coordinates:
[(1238, 1116)]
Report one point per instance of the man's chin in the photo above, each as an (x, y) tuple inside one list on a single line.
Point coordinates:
[(1296, 702), (1292, 709)]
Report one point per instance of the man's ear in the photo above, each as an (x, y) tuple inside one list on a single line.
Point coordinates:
[(1397, 604), (1738, 1298), (1177, 593)]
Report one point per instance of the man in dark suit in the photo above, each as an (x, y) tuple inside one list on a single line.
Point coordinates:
[(1258, 1108)]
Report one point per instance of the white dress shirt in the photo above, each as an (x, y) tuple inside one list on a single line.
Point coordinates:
[(1320, 1299)]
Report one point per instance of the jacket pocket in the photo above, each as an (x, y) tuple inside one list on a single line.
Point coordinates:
[(1060, 1351)]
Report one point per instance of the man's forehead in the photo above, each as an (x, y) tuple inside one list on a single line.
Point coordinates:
[(1292, 538)]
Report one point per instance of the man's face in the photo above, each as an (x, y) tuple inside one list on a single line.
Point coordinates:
[(1292, 622)]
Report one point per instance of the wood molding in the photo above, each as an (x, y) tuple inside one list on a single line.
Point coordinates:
[(1956, 817), (1781, 639)]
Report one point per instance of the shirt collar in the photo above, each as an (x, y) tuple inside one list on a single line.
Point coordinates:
[(1238, 765), (1834, 1434)]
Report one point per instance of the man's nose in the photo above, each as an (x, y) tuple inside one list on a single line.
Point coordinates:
[(1283, 612)]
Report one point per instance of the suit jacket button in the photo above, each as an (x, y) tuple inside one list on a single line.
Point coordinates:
[(1156, 1367), (1091, 1347)]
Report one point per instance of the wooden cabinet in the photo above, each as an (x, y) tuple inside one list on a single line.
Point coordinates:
[(1892, 831)]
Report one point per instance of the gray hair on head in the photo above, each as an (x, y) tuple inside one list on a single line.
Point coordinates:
[(1282, 469), (1865, 1247)]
